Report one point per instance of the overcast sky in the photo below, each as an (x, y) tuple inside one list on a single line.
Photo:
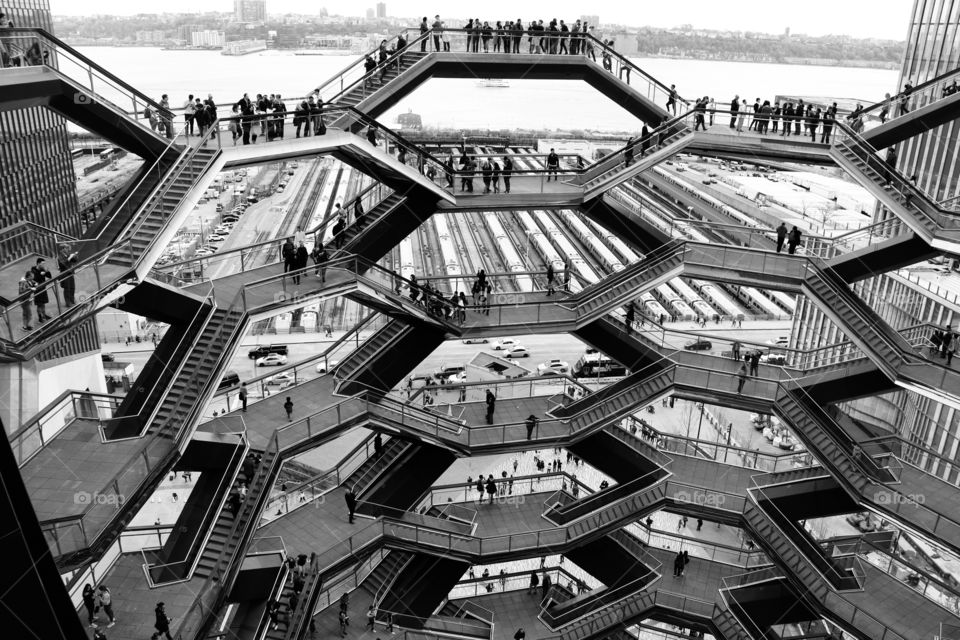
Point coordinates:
[(861, 18)]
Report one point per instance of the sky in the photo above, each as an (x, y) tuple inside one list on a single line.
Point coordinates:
[(859, 18)]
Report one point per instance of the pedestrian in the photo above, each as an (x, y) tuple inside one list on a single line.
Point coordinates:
[(301, 263), (105, 602), (736, 350), (678, 565), (90, 602), (288, 407), (550, 278), (26, 287), (344, 601), (534, 582), (630, 317), (243, 396), (289, 254), (741, 116), (320, 259), (672, 100), (351, 498), (161, 623), (545, 585), (491, 401), (479, 487), (506, 171), (491, 487), (699, 523), (437, 31), (793, 241), (344, 623), (553, 165), (781, 236), (40, 296), (371, 617), (531, 423), (66, 258), (734, 109), (520, 634), (741, 377)]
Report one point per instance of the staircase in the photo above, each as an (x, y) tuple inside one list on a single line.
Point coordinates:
[(622, 398), (620, 173), (379, 580), (363, 90), (618, 289), (169, 195), (370, 217), (372, 347), (727, 625), (367, 473), (862, 162), (280, 633)]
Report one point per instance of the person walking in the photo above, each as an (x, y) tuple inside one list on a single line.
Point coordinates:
[(105, 602), (491, 401), (672, 100), (781, 236), (301, 263), (531, 423), (288, 407), (320, 259), (161, 622), (243, 396), (550, 279), (26, 287), (437, 31), (491, 488), (351, 499), (545, 585), (734, 109), (371, 618), (741, 377), (793, 241), (289, 254), (534, 583), (630, 317)]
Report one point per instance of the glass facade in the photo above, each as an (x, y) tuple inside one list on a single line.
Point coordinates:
[(37, 180)]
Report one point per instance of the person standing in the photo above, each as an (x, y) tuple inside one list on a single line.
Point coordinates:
[(491, 401), (531, 423), (351, 499), (371, 618), (734, 110), (437, 31), (301, 263), (905, 98), (798, 114), (507, 171), (781, 236), (378, 445), (534, 583), (741, 116), (630, 317), (26, 287), (161, 623), (828, 119), (553, 165), (105, 601), (40, 296), (189, 115), (320, 259), (89, 602), (550, 278), (423, 32), (736, 350), (491, 487), (741, 377), (243, 397), (288, 407), (713, 110), (793, 241), (289, 254)]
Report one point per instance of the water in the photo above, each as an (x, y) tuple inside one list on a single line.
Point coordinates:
[(460, 103)]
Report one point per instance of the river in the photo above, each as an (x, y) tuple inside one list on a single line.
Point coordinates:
[(460, 103)]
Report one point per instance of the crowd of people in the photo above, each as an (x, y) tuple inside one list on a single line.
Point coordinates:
[(506, 36)]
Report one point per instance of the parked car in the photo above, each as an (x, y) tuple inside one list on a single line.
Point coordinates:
[(272, 360), (778, 359), (447, 371), (475, 341), (781, 342), (503, 343), (700, 344), (517, 351), (283, 379), (266, 349), (322, 367)]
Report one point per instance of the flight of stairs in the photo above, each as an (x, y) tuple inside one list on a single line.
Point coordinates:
[(613, 402), (370, 349), (367, 473), (357, 94), (370, 217), (380, 578), (153, 216)]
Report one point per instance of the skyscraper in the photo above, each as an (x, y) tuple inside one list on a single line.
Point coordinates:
[(381, 9), (250, 10)]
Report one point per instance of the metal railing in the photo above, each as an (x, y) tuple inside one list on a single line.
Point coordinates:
[(59, 414)]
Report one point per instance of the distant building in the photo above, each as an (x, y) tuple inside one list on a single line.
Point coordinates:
[(250, 10), (153, 35), (207, 38), (186, 31), (786, 33), (381, 9)]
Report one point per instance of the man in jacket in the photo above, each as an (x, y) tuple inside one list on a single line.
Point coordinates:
[(553, 165), (289, 254)]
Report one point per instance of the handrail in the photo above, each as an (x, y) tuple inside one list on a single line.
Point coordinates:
[(154, 572), (34, 428), (895, 100)]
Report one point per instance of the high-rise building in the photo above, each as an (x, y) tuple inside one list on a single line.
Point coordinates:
[(33, 142), (932, 50), (381, 9), (250, 10)]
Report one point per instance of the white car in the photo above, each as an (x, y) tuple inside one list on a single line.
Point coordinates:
[(283, 379), (475, 341), (517, 351), (322, 367), (781, 342), (553, 367), (776, 359), (216, 239), (272, 360), (504, 344)]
